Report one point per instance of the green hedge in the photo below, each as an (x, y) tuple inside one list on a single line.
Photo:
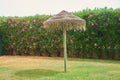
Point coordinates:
[(25, 36)]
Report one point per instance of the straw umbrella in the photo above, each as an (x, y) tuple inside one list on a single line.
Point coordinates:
[(65, 21)]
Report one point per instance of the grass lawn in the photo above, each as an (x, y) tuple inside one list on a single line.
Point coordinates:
[(49, 68)]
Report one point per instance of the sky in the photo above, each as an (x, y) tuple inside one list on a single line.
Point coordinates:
[(50, 7)]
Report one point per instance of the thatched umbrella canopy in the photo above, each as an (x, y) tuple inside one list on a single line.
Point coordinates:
[(65, 21)]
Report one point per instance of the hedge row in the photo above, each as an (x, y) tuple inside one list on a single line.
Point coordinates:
[(25, 36)]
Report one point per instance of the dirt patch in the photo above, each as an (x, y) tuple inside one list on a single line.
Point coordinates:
[(48, 63), (31, 62)]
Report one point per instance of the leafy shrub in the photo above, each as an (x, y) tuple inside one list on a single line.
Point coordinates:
[(25, 36)]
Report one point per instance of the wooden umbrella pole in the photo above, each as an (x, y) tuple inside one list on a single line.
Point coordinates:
[(65, 49)]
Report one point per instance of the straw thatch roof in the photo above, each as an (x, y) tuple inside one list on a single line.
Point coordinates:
[(65, 19)]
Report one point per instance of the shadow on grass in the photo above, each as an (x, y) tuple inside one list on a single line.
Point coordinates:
[(36, 73)]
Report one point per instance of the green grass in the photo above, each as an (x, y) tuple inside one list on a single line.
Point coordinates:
[(52, 69), (2, 69)]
